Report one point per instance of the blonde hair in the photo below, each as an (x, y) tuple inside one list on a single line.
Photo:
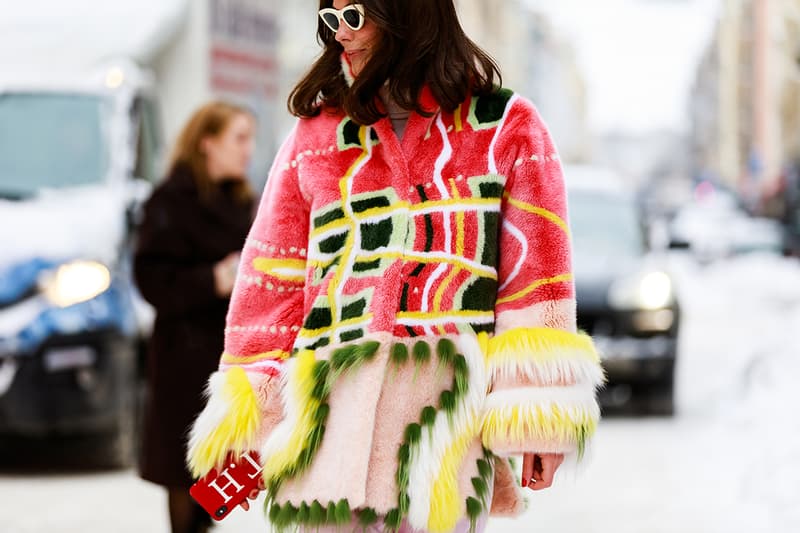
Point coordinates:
[(209, 120)]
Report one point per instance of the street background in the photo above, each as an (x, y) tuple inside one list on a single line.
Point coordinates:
[(726, 463), (693, 104)]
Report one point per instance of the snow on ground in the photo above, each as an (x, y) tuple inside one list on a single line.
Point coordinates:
[(742, 344), (739, 318), (728, 463)]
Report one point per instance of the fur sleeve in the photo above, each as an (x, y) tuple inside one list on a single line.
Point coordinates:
[(544, 373)]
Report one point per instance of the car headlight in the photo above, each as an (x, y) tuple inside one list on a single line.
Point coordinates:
[(650, 291), (75, 282)]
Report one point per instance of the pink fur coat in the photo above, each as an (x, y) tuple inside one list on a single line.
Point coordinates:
[(404, 321)]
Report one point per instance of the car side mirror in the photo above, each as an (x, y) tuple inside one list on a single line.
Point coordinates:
[(679, 244), (137, 193)]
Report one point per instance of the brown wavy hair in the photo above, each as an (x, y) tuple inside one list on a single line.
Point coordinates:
[(209, 120), (421, 42)]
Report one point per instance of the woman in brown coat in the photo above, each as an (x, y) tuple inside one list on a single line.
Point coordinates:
[(194, 225)]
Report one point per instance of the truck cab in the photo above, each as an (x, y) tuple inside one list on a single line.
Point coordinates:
[(78, 156)]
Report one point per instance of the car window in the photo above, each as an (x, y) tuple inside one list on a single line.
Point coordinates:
[(604, 224), (148, 140), (51, 140)]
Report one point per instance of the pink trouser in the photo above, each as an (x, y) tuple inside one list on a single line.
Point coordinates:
[(462, 527)]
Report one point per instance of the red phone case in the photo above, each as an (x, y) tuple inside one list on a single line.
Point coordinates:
[(221, 493)]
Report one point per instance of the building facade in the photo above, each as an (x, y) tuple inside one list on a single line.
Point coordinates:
[(536, 63), (746, 99), (254, 51)]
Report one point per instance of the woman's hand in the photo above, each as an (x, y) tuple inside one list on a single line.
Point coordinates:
[(538, 469), (253, 494), (225, 274)]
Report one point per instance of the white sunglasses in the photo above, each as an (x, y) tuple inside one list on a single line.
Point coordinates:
[(352, 15)]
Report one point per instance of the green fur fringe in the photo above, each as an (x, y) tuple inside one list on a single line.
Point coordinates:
[(446, 351), (582, 437), (422, 353), (474, 512), (287, 517), (326, 373), (485, 469), (399, 354), (393, 520), (428, 417), (448, 403), (367, 517), (482, 484)]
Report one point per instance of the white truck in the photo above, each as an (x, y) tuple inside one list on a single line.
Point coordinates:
[(83, 88), (80, 146)]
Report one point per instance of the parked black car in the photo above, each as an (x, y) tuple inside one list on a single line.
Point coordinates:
[(626, 299)]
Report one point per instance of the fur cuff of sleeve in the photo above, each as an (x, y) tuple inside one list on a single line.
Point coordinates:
[(546, 356), (229, 423), (540, 420)]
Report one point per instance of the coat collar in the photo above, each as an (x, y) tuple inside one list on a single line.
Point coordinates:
[(418, 126)]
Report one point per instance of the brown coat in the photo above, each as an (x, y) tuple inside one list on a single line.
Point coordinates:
[(180, 240)]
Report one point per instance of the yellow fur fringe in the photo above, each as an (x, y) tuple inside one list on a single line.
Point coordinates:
[(520, 426), (300, 387), (229, 423), (446, 504), (548, 355), (541, 344)]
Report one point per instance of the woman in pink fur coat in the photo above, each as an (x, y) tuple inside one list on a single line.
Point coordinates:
[(403, 321)]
